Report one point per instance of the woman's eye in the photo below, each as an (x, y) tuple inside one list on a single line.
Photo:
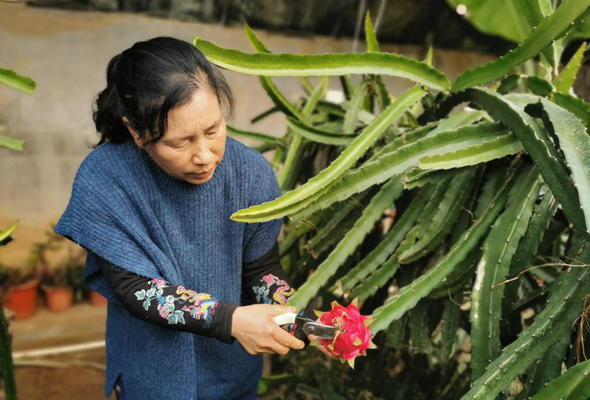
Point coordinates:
[(180, 145), (212, 133)]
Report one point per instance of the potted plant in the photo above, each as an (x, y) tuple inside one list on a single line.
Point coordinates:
[(77, 279), (57, 288), (96, 299), (22, 297)]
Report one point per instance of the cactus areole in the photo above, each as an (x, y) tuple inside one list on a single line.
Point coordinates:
[(353, 336)]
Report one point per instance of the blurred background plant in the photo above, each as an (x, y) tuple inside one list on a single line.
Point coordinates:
[(27, 85), (480, 287)]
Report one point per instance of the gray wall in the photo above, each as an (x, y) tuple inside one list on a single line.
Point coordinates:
[(66, 53)]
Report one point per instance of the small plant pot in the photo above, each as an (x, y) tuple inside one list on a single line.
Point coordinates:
[(23, 299), (58, 299), (96, 299)]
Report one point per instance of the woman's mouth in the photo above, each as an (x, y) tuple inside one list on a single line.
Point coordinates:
[(202, 174)]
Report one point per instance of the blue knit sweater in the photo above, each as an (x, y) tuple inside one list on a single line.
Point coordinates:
[(127, 210)]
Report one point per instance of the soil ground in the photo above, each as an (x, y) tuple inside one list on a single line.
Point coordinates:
[(81, 324)]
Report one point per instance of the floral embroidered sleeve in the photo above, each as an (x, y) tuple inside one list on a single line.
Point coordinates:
[(174, 307), (265, 281)]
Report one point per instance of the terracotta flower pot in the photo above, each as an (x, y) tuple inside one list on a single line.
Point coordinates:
[(58, 299), (96, 299), (22, 299)]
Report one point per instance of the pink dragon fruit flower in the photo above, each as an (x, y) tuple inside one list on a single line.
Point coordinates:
[(353, 337)]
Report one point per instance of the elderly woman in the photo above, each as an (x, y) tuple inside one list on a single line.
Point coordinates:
[(152, 204)]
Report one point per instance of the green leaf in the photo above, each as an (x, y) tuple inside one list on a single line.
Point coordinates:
[(538, 146), (353, 238), (388, 244), (574, 384), (16, 81), (574, 105), (317, 135), (575, 144), (267, 84), (254, 41), (450, 323), (549, 368), (264, 114), (528, 246), (509, 83), (504, 18), (317, 93), (352, 112), (566, 78), (502, 146), (398, 161), (492, 269), (5, 234), (10, 143), (417, 177), (255, 136), (581, 30), (380, 277), (409, 295), (429, 56), (343, 220), (279, 99), (549, 29), (323, 64), (288, 203), (462, 118), (338, 216), (372, 43), (564, 306), (539, 86), (446, 211), (419, 329), (292, 163)]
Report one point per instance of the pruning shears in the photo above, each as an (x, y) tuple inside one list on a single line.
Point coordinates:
[(300, 327)]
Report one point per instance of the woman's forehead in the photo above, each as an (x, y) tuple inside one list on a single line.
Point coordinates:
[(202, 112)]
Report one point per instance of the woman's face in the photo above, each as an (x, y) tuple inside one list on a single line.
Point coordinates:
[(194, 142)]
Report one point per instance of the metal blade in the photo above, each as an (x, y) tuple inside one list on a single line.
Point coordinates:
[(319, 330)]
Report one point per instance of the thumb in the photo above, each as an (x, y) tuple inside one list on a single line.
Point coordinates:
[(277, 310)]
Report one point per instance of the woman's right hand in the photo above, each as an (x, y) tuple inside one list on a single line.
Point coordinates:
[(254, 327)]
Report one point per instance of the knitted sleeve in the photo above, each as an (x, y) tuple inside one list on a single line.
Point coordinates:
[(259, 237)]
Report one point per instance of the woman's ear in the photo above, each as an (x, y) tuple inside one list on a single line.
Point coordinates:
[(133, 133)]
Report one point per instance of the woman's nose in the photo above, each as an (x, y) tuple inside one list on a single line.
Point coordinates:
[(202, 155)]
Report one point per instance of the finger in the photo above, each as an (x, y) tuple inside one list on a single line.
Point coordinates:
[(278, 348), (285, 339), (277, 310), (326, 352)]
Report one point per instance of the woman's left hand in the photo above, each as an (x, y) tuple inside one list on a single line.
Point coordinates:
[(320, 347)]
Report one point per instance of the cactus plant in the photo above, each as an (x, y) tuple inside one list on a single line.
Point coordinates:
[(491, 209)]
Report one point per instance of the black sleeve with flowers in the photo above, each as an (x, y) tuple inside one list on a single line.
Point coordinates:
[(266, 282), (170, 306), (174, 307)]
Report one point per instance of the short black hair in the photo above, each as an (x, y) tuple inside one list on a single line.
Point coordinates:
[(147, 81)]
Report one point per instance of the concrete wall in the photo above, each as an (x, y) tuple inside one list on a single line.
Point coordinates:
[(66, 53)]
